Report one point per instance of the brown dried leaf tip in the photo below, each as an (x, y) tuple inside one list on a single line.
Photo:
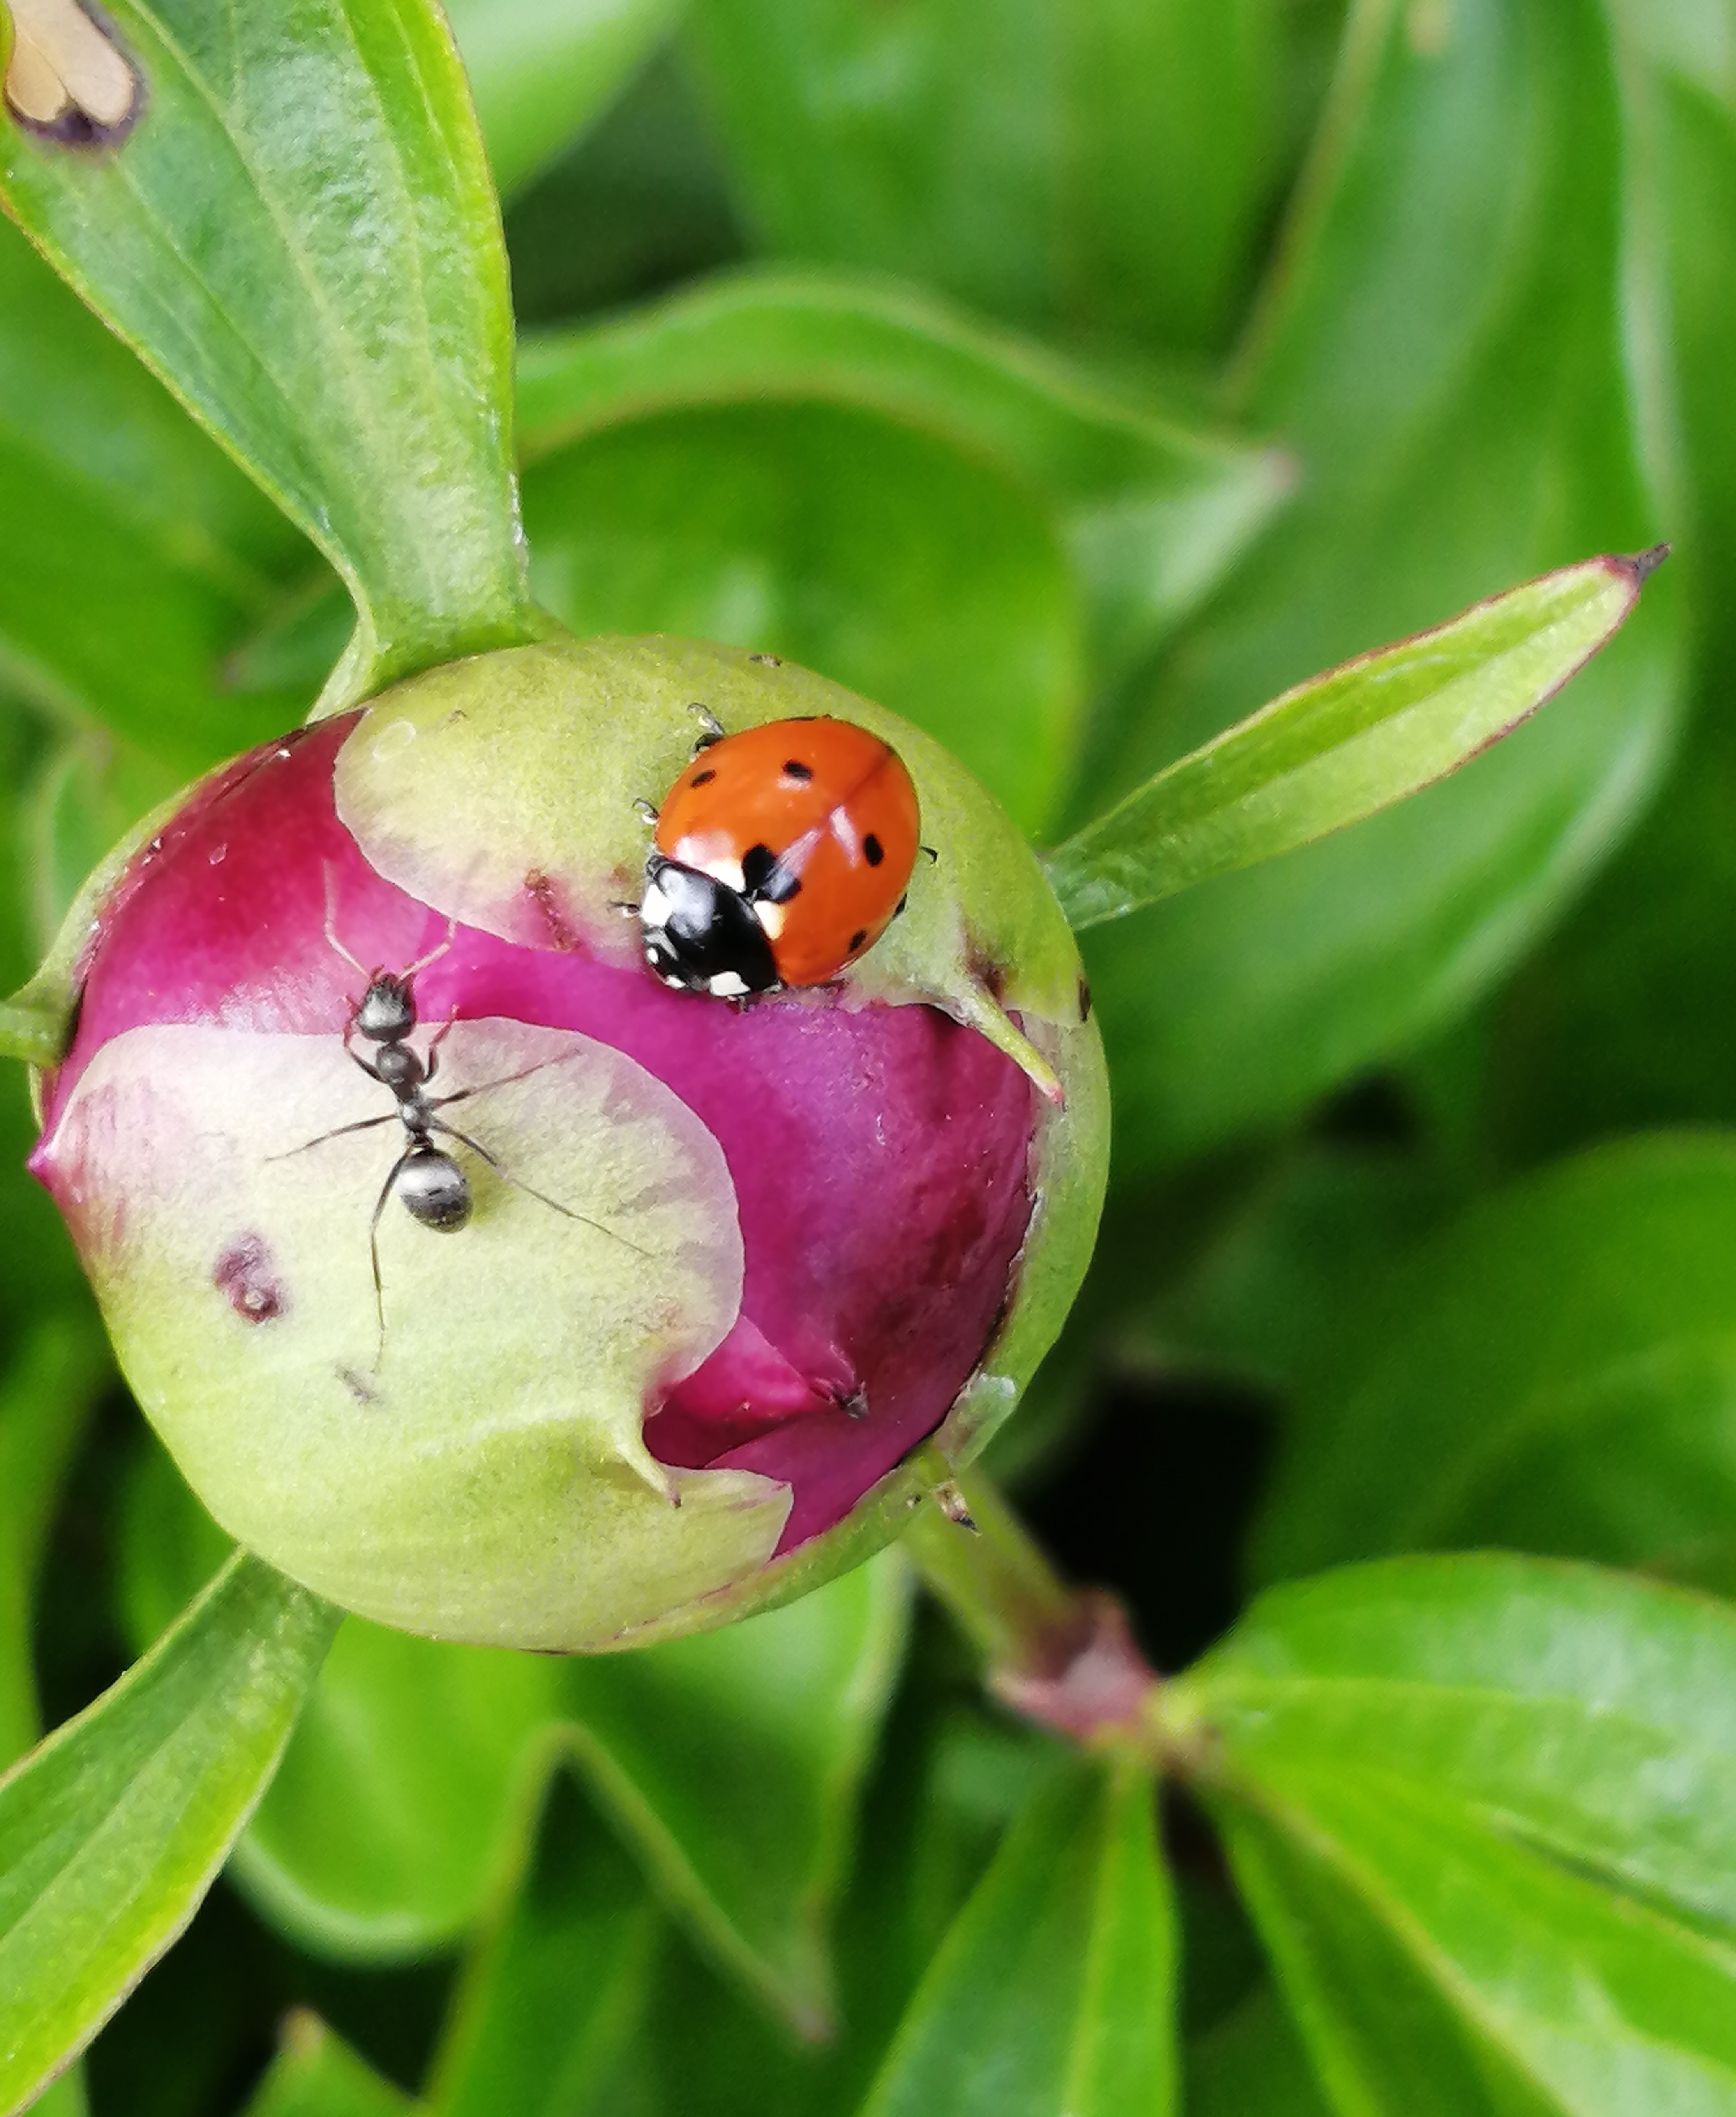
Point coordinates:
[(68, 78)]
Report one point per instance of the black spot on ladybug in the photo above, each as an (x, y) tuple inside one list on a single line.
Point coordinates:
[(793, 768), (703, 778), (244, 1273), (857, 939), (763, 875), (1084, 999), (872, 850)]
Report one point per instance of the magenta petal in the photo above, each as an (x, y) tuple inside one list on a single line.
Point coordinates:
[(879, 1154)]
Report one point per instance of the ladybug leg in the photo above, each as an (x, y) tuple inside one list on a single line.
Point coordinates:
[(711, 728), (646, 812)]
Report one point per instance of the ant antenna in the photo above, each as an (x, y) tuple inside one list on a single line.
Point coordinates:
[(433, 956), (331, 922), (409, 971)]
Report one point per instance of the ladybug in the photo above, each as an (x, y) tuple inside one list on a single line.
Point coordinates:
[(781, 854)]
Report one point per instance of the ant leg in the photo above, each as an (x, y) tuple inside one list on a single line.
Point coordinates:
[(505, 1080), (386, 1190), (431, 1064), (518, 1184), (367, 1065), (362, 1124)]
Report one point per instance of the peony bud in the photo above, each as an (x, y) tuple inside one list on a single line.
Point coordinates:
[(666, 1304)]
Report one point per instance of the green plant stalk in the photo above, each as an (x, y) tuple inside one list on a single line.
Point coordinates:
[(996, 1580)]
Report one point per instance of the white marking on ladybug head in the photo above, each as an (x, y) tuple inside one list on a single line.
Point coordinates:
[(654, 905), (727, 984), (771, 917)]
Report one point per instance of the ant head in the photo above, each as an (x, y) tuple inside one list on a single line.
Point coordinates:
[(387, 1013)]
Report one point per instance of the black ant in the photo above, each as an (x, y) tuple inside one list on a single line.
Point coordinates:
[(435, 1189)]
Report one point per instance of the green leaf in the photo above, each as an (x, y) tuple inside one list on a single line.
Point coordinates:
[(558, 1984), (1556, 1372), (348, 341), (1051, 1996), (1153, 509), (133, 555), (1096, 170), (1347, 743), (87, 795), (1463, 423), (902, 568), (316, 2074), (49, 1392), (541, 74), (112, 1829), (1624, 1021), (732, 1762), (1251, 2064), (394, 1803), (1485, 1810)]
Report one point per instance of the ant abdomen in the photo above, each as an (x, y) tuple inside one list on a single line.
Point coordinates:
[(433, 1187)]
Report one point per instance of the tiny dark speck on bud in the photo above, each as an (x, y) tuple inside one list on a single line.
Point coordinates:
[(1084, 999), (1643, 565), (768, 660), (244, 1273)]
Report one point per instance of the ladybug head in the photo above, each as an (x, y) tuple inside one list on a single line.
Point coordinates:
[(701, 935)]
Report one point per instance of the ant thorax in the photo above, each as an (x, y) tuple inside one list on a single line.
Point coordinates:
[(426, 1178)]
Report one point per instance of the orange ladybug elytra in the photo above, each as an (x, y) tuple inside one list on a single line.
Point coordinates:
[(782, 853)]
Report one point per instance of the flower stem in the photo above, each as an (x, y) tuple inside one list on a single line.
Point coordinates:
[(1059, 1654), (997, 1581)]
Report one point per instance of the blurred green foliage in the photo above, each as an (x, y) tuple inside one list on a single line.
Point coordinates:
[(1075, 377)]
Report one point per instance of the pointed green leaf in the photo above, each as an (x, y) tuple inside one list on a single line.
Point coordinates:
[(316, 2074), (289, 217), (113, 1828), (558, 1982), (1097, 171), (1555, 1372), (47, 1394), (1485, 1811), (1153, 509), (732, 1764), (1446, 342), (394, 1805), (542, 71), (1347, 743), (133, 555), (1051, 1996)]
